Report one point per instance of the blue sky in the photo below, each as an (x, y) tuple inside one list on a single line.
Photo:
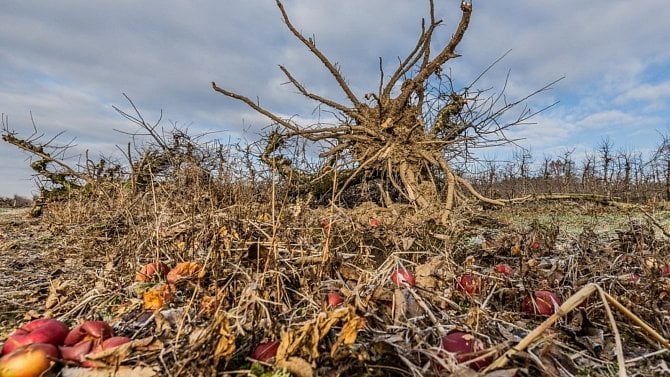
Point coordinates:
[(68, 62)]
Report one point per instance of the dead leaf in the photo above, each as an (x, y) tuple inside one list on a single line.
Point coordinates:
[(226, 345), (117, 355), (349, 333), (56, 288), (297, 366), (198, 336), (157, 296), (504, 373), (427, 273), (310, 334)]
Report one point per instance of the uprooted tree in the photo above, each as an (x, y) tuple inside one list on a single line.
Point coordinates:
[(407, 134)]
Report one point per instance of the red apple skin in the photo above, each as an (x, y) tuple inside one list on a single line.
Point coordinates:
[(504, 269), (114, 341), (265, 351), (401, 277), (335, 299), (88, 329), (545, 302), (466, 347), (28, 361), (107, 344), (468, 284), (77, 351), (43, 330)]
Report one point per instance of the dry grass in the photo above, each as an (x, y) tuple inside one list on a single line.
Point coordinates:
[(268, 263)]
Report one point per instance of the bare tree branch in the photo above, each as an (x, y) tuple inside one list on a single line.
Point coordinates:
[(311, 45)]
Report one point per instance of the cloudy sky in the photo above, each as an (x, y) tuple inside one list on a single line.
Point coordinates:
[(68, 63)]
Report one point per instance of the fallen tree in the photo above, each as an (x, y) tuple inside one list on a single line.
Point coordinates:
[(407, 136)]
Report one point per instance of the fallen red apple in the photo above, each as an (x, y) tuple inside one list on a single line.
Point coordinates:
[(265, 351), (466, 347), (151, 271), (76, 352), (334, 299), (28, 361), (401, 277), (114, 341), (89, 330), (106, 345), (544, 303), (503, 269), (43, 330), (469, 284)]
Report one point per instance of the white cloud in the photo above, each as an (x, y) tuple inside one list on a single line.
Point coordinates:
[(69, 61)]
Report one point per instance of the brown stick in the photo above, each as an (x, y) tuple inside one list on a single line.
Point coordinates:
[(569, 305)]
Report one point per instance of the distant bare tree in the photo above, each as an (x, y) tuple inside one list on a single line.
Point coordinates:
[(605, 148)]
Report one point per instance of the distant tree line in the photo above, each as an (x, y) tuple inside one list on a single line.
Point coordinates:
[(627, 175), (15, 202)]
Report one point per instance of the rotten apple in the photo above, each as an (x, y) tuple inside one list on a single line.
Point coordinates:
[(265, 351), (43, 330), (334, 299), (542, 303), (503, 269), (105, 345), (465, 347), (469, 284), (152, 271), (401, 277), (89, 330)]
